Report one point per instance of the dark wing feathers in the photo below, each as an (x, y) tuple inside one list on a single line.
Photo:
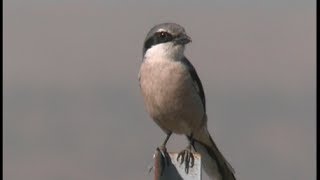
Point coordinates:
[(196, 80)]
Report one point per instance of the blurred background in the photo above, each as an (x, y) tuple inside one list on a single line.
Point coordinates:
[(72, 105)]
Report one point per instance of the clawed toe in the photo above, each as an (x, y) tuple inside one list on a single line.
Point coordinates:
[(187, 157), (164, 158)]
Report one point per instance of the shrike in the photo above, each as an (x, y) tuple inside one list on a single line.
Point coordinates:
[(174, 97)]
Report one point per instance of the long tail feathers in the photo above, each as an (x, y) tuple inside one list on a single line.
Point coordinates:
[(213, 162)]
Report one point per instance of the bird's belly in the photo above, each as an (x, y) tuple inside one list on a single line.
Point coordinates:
[(170, 97)]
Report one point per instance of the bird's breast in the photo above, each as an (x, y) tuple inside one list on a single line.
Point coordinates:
[(163, 82), (169, 94)]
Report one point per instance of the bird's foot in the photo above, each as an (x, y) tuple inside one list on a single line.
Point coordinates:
[(165, 158), (187, 157), (162, 158)]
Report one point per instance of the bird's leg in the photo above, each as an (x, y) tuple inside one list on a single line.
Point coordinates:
[(163, 146), (165, 158), (187, 156), (163, 149)]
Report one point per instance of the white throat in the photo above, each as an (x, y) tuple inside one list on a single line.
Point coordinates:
[(165, 51)]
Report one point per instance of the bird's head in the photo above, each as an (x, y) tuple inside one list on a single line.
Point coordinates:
[(165, 40)]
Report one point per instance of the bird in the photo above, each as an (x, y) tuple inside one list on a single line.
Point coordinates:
[(174, 97)]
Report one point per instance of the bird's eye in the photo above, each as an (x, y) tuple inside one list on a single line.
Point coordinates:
[(164, 35)]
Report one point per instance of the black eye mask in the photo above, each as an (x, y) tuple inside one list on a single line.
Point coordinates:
[(158, 38)]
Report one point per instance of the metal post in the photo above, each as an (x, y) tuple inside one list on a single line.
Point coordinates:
[(174, 170)]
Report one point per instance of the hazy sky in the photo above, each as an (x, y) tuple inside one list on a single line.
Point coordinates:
[(72, 105)]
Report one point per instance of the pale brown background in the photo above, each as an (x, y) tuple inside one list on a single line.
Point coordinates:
[(72, 106)]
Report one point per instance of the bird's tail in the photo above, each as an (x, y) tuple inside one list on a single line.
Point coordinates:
[(213, 162)]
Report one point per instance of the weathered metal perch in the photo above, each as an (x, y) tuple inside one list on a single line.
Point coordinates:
[(174, 170)]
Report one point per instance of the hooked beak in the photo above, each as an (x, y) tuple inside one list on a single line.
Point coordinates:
[(183, 39)]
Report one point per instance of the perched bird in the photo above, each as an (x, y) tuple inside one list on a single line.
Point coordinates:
[(175, 99)]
